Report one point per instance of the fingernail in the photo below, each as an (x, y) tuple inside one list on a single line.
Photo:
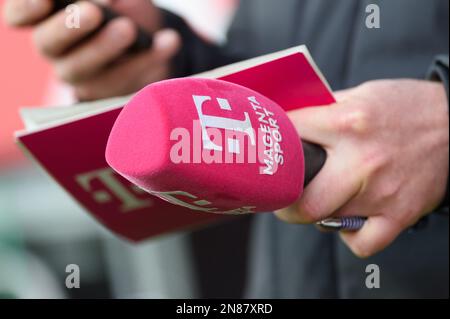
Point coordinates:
[(165, 39), (30, 5), (34, 3), (122, 29)]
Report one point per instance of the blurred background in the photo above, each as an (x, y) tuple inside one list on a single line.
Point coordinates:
[(42, 230)]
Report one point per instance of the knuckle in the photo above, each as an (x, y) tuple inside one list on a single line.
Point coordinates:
[(373, 161), (366, 86), (64, 71), (362, 253), (309, 210), (287, 215), (84, 92), (361, 249), (389, 189), (353, 122), (44, 47), (46, 43)]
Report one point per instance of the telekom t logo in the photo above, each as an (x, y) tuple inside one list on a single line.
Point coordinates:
[(206, 121)]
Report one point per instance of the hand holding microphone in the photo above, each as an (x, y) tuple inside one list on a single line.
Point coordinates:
[(385, 162), (247, 157), (366, 184)]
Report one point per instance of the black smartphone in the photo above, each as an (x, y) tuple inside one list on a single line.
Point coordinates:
[(143, 40)]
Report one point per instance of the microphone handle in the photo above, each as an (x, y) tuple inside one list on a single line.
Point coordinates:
[(315, 157), (143, 39)]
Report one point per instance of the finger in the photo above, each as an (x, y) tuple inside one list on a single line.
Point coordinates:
[(315, 124), (26, 12), (376, 234), (53, 37), (112, 83), (335, 185), (91, 56), (140, 69), (142, 12), (167, 44)]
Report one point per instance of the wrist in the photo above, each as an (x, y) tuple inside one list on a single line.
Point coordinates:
[(441, 107), (439, 71)]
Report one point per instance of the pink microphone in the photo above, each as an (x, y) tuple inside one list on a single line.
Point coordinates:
[(212, 146)]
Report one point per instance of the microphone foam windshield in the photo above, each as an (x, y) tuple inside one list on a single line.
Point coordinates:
[(208, 145)]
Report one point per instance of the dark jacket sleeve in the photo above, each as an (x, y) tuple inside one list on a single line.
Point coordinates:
[(196, 55), (439, 71)]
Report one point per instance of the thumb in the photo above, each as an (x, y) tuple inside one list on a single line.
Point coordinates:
[(166, 43)]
